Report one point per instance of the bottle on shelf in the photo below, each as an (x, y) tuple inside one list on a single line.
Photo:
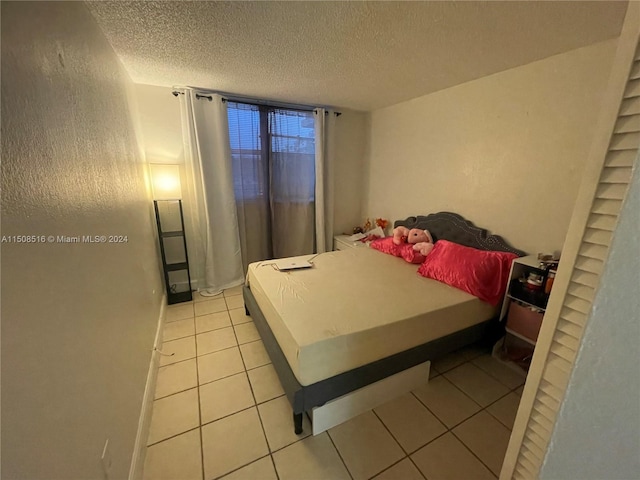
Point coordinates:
[(549, 283)]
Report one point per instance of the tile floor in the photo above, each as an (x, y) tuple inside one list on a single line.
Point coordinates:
[(220, 412)]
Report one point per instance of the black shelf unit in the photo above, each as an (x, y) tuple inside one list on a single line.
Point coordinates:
[(175, 261)]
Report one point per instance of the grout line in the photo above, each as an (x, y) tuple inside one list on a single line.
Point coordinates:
[(389, 467), (472, 452), (172, 436), (339, 454), (390, 433), (241, 467), (199, 412)]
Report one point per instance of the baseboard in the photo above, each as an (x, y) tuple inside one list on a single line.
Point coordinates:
[(140, 447)]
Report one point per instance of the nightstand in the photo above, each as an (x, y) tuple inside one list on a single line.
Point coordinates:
[(522, 313), (342, 242)]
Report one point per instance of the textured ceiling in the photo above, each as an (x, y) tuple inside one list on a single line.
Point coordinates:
[(359, 55)]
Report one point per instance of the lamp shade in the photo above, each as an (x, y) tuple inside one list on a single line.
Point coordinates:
[(165, 181)]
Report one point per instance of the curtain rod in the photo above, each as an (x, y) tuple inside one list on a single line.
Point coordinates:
[(253, 101)]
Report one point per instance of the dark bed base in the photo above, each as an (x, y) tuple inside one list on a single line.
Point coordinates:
[(304, 398), (443, 226)]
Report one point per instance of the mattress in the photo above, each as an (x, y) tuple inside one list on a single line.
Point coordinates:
[(356, 306)]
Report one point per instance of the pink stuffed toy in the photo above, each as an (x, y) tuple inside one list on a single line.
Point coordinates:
[(421, 239)]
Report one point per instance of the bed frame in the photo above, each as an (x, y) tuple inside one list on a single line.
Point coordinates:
[(444, 226)]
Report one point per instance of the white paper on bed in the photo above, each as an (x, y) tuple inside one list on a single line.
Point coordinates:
[(354, 307)]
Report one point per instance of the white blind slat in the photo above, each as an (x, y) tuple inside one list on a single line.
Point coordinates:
[(569, 328), (588, 265), (566, 340), (535, 439), (585, 278), (625, 141), (548, 400), (614, 191), (606, 207), (573, 316), (620, 158), (630, 106), (597, 236), (616, 175), (557, 377), (633, 89), (630, 123), (551, 390), (602, 221), (592, 250), (635, 70), (563, 352), (560, 362)]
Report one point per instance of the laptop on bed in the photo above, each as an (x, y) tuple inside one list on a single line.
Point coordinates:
[(292, 264)]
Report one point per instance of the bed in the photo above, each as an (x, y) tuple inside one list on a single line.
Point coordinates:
[(359, 316)]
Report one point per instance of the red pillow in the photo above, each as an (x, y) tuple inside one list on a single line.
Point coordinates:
[(481, 273), (404, 250)]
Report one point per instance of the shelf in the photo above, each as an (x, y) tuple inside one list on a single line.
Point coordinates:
[(535, 298), (172, 267), (525, 302), (521, 337)]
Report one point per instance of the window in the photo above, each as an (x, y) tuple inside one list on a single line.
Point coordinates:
[(273, 153)]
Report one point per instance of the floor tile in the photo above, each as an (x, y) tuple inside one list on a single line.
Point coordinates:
[(173, 415), (232, 442), (449, 361), (259, 470), (178, 350), (235, 301), (365, 445), (215, 340), (179, 312), (506, 409), (215, 366), (176, 377), (449, 404), (246, 333), (265, 383), (210, 306), (254, 354), (403, 470), (486, 437), (505, 375), (277, 420), (409, 421), (238, 316), (224, 397), (313, 458), (230, 292), (201, 297), (446, 458), (480, 386), (178, 457), (178, 329), (518, 391), (212, 321), (433, 373)]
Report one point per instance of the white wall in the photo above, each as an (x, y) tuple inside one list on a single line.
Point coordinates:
[(504, 151), (160, 119), (79, 319), (597, 432)]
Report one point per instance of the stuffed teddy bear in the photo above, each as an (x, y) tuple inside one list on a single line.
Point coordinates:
[(421, 239)]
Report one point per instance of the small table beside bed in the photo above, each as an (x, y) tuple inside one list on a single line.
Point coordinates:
[(359, 316)]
